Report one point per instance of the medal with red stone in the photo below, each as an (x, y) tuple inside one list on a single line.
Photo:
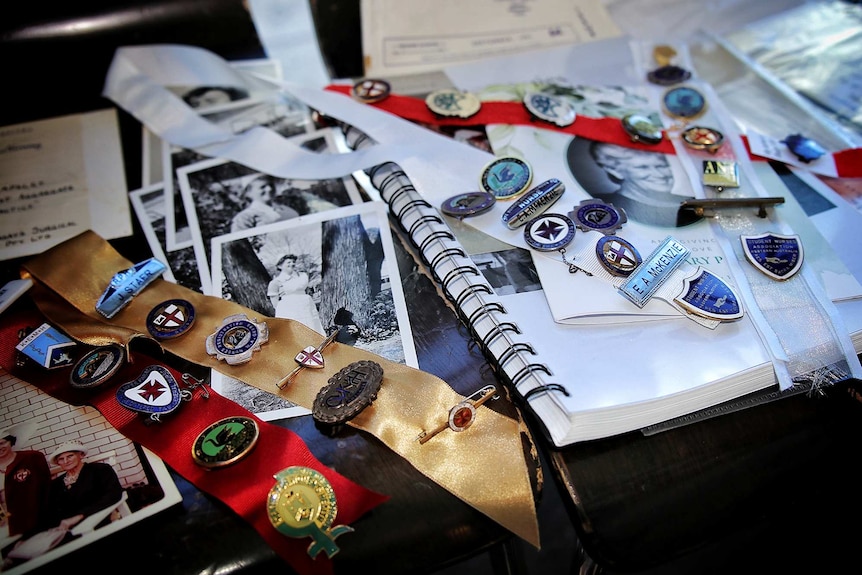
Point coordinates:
[(462, 415)]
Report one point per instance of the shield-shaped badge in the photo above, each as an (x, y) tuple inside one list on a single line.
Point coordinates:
[(155, 392), (310, 357), (778, 256), (707, 295)]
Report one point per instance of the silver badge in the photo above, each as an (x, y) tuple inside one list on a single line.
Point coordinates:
[(654, 271), (533, 204), (237, 339), (617, 256), (550, 108)]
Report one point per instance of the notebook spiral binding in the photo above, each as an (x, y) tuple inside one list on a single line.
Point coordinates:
[(462, 282)]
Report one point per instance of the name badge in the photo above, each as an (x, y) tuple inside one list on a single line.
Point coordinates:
[(648, 277), (534, 203)]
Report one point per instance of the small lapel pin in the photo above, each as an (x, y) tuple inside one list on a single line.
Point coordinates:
[(462, 415)]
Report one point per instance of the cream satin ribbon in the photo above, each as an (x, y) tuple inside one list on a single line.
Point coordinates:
[(484, 466)]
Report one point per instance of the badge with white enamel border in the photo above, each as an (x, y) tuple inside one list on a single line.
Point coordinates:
[(707, 295), (450, 102), (155, 392), (550, 108), (237, 339), (618, 256), (549, 232), (597, 215), (777, 256)]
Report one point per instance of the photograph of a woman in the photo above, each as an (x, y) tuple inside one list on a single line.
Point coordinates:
[(287, 293)]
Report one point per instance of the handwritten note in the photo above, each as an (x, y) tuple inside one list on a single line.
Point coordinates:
[(60, 177)]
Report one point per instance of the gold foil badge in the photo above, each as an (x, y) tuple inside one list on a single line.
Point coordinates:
[(302, 504)]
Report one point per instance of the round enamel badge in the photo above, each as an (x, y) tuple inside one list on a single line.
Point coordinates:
[(450, 102), (641, 129), (703, 138), (549, 232), (371, 90), (597, 215), (98, 366), (468, 204), (506, 177), (684, 103), (225, 442), (617, 256), (171, 319), (550, 108)]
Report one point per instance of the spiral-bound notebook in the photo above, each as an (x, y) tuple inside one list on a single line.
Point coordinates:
[(582, 382)]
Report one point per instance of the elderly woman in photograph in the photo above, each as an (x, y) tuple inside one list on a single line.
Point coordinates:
[(83, 488), (287, 293), (25, 482)]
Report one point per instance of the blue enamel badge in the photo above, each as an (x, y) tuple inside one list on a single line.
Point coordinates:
[(779, 257), (684, 103), (592, 214), (506, 177), (806, 149), (154, 392), (127, 284), (534, 203), (707, 295), (468, 204), (237, 339)]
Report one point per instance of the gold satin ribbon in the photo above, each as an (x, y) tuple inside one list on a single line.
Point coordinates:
[(484, 466)]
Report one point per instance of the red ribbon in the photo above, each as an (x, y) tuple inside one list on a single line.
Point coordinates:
[(848, 163), (243, 486)]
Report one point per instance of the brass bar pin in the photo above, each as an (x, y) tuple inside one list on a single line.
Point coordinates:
[(705, 208), (302, 359), (462, 415)]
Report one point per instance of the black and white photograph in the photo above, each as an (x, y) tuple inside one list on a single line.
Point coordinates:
[(283, 116), (334, 271), (508, 271), (222, 197), (148, 204), (69, 478), (648, 186)]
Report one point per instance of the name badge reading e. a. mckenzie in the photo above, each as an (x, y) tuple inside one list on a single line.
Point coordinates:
[(648, 277)]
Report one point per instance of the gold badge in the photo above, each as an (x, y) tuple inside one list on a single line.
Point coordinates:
[(302, 504), (720, 175)]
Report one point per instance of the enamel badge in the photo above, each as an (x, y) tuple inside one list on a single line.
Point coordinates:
[(371, 90), (549, 232), (155, 392), (550, 108), (450, 102), (684, 103), (597, 215), (806, 149), (302, 503), (618, 256), (97, 366), (171, 319), (533, 203), (778, 256), (641, 129), (468, 204), (225, 442), (703, 138), (48, 347), (506, 177), (237, 339), (707, 295), (127, 284)]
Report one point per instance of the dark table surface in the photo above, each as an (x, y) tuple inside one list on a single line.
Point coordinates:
[(777, 481)]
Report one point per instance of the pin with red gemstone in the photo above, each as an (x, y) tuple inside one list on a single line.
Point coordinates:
[(462, 415)]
